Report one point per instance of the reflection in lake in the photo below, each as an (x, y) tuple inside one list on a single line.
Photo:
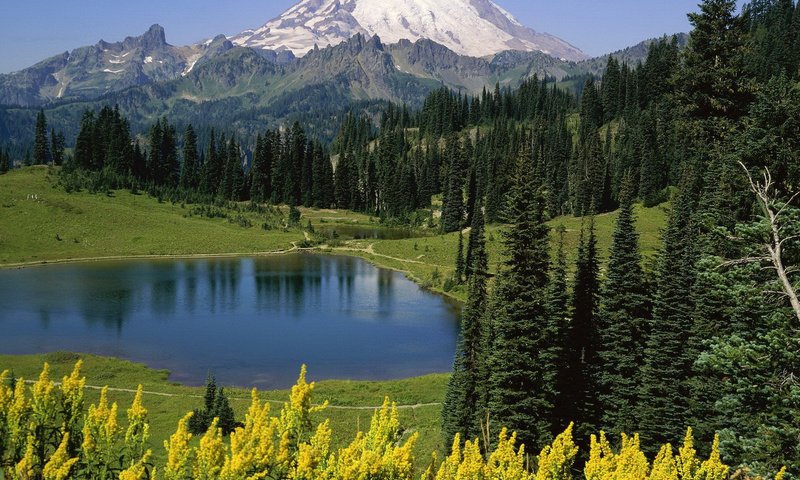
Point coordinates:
[(251, 321)]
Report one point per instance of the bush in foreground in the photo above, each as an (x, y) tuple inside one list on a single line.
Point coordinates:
[(46, 435)]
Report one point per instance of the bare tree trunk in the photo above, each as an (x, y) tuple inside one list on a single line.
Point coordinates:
[(774, 248)]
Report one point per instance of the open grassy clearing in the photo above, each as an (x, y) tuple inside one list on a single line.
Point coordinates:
[(430, 260), (41, 223)]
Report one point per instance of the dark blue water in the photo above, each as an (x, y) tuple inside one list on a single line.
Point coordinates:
[(250, 321)]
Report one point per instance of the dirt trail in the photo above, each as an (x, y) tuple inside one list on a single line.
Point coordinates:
[(278, 402), (370, 250)]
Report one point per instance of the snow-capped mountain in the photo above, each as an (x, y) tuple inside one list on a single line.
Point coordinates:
[(475, 28)]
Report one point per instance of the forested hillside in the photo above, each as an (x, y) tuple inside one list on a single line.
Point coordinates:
[(705, 338)]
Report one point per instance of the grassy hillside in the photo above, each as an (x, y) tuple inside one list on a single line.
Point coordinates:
[(41, 223), (430, 260)]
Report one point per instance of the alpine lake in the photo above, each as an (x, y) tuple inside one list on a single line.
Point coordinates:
[(250, 321)]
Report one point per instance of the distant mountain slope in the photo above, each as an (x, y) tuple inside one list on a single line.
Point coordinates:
[(90, 72), (243, 89), (631, 55), (248, 88), (475, 28)]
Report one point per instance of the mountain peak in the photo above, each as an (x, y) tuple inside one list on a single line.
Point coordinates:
[(152, 39), (474, 28)]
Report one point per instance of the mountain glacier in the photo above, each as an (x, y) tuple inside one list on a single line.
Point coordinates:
[(475, 28)]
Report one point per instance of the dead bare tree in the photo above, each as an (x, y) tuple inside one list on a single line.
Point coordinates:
[(777, 238)]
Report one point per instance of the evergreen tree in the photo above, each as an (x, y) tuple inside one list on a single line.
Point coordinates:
[(224, 412), (41, 147), (57, 147), (711, 80), (522, 356), (664, 397), (559, 310), (189, 169), (214, 165), (322, 196), (460, 265), (624, 314), (476, 235), (234, 186), (744, 385), (770, 136), (201, 419), (465, 404), (592, 117), (578, 374), (215, 405), (295, 166), (163, 167), (610, 89), (4, 162), (453, 207), (345, 179)]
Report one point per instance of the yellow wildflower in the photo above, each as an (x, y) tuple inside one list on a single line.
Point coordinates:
[(713, 468), (210, 454), (138, 432), (26, 468), (59, 465), (138, 470), (687, 457), (178, 452), (555, 461), (664, 466), (72, 388)]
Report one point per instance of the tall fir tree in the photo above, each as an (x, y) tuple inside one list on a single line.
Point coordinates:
[(664, 395), (453, 208), (522, 357), (57, 144), (41, 147), (559, 309), (261, 190), (460, 265), (577, 385), (465, 405), (163, 164), (189, 168), (476, 236), (624, 314), (712, 81), (4, 161), (209, 180), (235, 177), (322, 196)]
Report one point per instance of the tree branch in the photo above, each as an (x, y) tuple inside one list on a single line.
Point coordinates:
[(775, 243)]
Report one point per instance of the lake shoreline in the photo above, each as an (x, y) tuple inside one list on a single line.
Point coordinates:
[(368, 257)]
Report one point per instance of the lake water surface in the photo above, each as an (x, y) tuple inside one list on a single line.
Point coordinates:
[(250, 321)]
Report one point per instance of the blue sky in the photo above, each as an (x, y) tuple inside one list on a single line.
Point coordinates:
[(31, 30)]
